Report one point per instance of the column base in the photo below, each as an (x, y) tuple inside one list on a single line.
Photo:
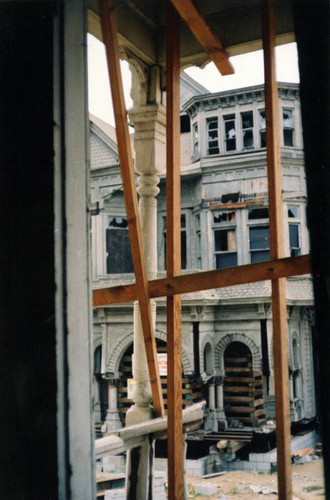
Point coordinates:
[(112, 422)]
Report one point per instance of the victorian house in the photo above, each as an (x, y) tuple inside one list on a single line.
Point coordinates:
[(227, 354)]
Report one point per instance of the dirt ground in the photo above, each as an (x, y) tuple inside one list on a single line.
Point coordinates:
[(307, 479)]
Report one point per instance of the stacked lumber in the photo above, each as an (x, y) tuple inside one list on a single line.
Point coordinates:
[(243, 392), (191, 390)]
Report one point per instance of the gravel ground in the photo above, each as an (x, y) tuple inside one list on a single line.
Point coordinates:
[(307, 479)]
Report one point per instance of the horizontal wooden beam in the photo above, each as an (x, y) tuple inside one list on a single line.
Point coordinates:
[(132, 436), (206, 280), (208, 40)]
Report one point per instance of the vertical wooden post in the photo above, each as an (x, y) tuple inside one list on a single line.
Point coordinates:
[(110, 39), (173, 242), (276, 230)]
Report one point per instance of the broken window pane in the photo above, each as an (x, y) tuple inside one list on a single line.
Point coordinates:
[(258, 213), (213, 136), (225, 247), (223, 217), (195, 137), (247, 129), (288, 127), (293, 211), (262, 127), (230, 132)]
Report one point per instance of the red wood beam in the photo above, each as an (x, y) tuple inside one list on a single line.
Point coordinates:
[(206, 37), (110, 39), (276, 230), (173, 253), (207, 280)]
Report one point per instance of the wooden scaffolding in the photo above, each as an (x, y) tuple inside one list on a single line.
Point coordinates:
[(174, 285)]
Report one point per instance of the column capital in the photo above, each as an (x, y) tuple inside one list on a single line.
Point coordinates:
[(149, 138)]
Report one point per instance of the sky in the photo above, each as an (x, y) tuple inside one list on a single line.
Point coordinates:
[(248, 71)]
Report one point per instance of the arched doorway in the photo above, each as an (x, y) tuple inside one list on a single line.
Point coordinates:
[(191, 389), (243, 387)]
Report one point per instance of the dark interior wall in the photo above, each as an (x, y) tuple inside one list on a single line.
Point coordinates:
[(27, 316), (312, 34)]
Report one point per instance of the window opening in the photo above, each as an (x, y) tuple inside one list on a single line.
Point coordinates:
[(295, 370), (262, 127), (294, 231), (243, 387), (198, 241), (195, 138), (247, 129), (184, 124), (118, 248), (259, 235), (259, 243), (230, 132), (213, 136), (101, 385), (225, 244), (288, 127)]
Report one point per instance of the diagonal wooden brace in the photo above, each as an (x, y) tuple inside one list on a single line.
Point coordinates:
[(208, 40), (110, 39)]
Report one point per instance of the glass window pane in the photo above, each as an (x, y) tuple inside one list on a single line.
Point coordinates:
[(288, 118), (119, 258), (294, 235), (293, 211), (259, 237), (262, 119), (259, 256), (226, 260)]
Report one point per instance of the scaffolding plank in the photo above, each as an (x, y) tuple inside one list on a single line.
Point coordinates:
[(173, 260), (110, 39), (206, 37), (206, 280), (279, 312)]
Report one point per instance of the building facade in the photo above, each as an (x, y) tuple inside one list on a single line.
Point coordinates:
[(227, 333)]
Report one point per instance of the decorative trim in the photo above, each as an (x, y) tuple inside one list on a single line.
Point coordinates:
[(117, 352)]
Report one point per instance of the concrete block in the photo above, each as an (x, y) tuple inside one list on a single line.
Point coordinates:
[(206, 489)]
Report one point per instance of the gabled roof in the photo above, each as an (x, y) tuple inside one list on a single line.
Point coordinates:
[(103, 147), (190, 88)]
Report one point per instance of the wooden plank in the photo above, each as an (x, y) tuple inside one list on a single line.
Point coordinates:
[(239, 380), (173, 257), (238, 360), (206, 280), (208, 40), (279, 312), (241, 409), (259, 402), (239, 204), (238, 369), (236, 388), (238, 399), (110, 39)]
